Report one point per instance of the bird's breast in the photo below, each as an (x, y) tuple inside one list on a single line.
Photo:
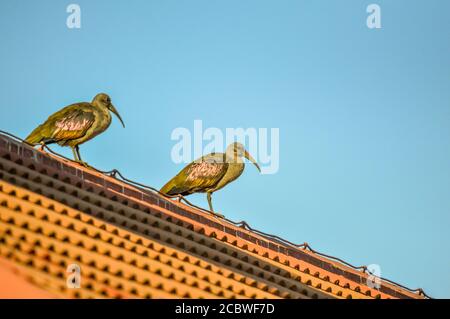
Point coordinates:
[(103, 120), (234, 171)]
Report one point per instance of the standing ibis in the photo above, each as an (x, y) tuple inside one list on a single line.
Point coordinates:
[(76, 124), (210, 173)]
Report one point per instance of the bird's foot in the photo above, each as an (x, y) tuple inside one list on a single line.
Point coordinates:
[(218, 214), (83, 163)]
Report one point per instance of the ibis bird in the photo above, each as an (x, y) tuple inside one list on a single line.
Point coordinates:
[(210, 173), (75, 124)]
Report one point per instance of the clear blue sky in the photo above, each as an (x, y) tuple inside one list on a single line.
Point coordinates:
[(364, 115)]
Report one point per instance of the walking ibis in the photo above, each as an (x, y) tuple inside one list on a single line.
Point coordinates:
[(76, 124), (210, 173)]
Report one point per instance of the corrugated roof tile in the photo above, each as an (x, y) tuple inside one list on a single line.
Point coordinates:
[(136, 243)]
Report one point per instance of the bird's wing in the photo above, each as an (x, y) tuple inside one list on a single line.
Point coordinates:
[(72, 122), (198, 176)]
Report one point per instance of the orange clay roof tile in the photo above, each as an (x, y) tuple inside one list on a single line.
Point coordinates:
[(132, 242)]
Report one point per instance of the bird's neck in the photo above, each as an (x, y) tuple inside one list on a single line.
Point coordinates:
[(104, 114)]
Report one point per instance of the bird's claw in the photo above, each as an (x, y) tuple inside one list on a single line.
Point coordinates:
[(218, 214), (83, 164)]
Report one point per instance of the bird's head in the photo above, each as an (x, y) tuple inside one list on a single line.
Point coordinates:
[(103, 99), (236, 150)]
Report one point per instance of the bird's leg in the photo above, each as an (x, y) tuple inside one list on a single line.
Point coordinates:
[(77, 149), (208, 196), (79, 160), (75, 155), (41, 148)]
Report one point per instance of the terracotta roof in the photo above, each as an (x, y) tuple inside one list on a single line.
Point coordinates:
[(17, 285), (131, 241)]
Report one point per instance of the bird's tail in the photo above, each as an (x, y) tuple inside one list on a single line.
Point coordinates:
[(35, 137), (167, 189), (172, 189)]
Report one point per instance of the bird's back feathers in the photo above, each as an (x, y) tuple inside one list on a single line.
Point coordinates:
[(199, 176), (72, 122)]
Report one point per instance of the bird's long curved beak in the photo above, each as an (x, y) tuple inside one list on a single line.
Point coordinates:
[(251, 159), (114, 110)]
